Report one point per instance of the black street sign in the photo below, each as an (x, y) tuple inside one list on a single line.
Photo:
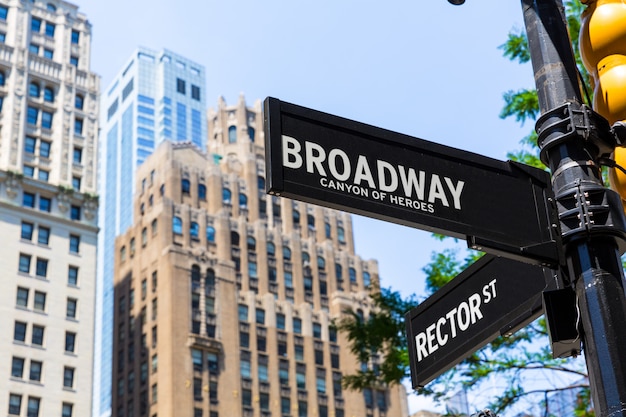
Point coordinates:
[(500, 207), (494, 296)]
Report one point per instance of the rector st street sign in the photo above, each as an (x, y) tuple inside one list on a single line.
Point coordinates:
[(503, 208), (494, 296)]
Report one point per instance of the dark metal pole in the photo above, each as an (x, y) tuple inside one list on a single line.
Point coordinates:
[(592, 217)]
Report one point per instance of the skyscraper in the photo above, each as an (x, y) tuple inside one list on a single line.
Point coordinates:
[(224, 296), (157, 96), (49, 104)]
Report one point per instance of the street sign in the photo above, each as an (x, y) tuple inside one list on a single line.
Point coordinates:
[(500, 207), (494, 296)]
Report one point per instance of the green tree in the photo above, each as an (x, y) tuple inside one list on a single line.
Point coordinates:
[(512, 360)]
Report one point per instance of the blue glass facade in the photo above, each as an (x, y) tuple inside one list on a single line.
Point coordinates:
[(144, 108)]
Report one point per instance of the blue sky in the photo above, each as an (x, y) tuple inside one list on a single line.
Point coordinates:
[(423, 68)]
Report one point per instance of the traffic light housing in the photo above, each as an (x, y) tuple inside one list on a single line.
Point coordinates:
[(603, 51)]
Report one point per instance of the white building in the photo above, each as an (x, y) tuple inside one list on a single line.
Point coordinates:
[(48, 143)]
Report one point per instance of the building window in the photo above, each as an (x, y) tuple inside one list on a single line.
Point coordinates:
[(243, 312), (77, 155), (46, 119), (75, 36), (321, 262), (50, 29), (79, 102), (24, 265), (27, 231), (22, 297), (243, 201), (35, 24), (210, 234), (67, 410), (352, 274), (194, 230), (78, 126), (35, 371), (43, 236), (48, 53), (280, 321), (45, 204), (15, 400), (33, 407), (70, 341), (260, 316), (41, 269), (74, 243), (70, 310), (366, 279), (317, 330), (72, 276), (48, 94), (185, 186), (19, 332), (226, 196), (180, 86), (33, 91), (232, 134), (201, 191), (44, 149), (40, 301), (74, 60), (75, 213), (68, 377), (177, 225), (37, 336), (32, 114), (17, 367), (297, 325)]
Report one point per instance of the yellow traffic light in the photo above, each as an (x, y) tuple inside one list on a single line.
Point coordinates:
[(603, 51)]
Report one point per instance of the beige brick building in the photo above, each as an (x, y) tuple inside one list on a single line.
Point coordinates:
[(224, 295)]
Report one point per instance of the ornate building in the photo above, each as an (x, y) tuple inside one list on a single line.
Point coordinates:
[(224, 296), (48, 143)]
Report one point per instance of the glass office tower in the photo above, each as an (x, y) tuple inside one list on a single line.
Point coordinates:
[(157, 96)]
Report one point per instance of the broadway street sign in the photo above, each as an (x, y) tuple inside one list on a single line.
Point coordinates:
[(494, 296), (499, 207)]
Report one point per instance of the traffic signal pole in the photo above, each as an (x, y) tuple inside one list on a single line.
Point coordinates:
[(573, 140)]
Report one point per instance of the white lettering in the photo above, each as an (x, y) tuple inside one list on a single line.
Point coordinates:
[(420, 346), (456, 191), (440, 339), (410, 182), (393, 176), (315, 155), (332, 164), (474, 306), (430, 336), (291, 148), (363, 172), (436, 191)]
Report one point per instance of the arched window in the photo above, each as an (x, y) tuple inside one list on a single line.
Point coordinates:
[(48, 94), (310, 221), (327, 229), (306, 258), (271, 249), (232, 134), (321, 262), (339, 272), (366, 279), (144, 236), (185, 186), (123, 254), (153, 227), (194, 230), (341, 235), (177, 225), (33, 90), (210, 234), (210, 279), (234, 238), (195, 277), (243, 200), (51, 7), (261, 183), (296, 217), (202, 191), (226, 196), (276, 207), (286, 253), (251, 243), (79, 102), (352, 274), (251, 133)]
